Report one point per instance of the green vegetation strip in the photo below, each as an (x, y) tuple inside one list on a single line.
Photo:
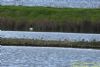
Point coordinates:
[(57, 14), (77, 20), (42, 43)]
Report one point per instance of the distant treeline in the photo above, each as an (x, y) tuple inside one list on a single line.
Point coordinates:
[(19, 18)]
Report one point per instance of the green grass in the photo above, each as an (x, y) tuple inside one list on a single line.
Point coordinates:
[(80, 20), (52, 14)]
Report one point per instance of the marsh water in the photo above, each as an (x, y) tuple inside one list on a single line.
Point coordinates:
[(56, 36), (11, 56)]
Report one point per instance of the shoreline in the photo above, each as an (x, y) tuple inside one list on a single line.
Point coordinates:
[(43, 43)]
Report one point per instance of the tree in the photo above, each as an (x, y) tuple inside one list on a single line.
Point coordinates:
[(0, 2)]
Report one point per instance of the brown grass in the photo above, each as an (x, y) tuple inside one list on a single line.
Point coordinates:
[(43, 43)]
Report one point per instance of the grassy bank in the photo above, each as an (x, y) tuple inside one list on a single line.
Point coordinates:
[(57, 14), (50, 19), (42, 43)]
